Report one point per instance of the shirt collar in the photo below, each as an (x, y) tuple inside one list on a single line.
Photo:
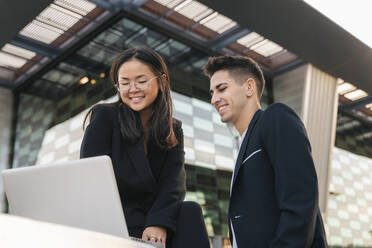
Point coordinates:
[(245, 131), (242, 137)]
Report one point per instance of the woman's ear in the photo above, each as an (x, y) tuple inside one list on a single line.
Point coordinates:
[(164, 76)]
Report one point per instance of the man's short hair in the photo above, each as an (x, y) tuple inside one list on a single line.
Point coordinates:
[(240, 68)]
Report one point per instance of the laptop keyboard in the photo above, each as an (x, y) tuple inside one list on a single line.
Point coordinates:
[(156, 245)]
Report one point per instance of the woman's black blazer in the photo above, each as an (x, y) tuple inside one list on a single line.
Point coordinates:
[(151, 187)]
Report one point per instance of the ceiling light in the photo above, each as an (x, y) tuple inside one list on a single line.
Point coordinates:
[(93, 81), (163, 2), (180, 6), (84, 80), (355, 95), (227, 27), (218, 23), (81, 7), (102, 75), (8, 60), (64, 11), (344, 88), (194, 10), (250, 39), (21, 52), (169, 3), (257, 45), (42, 32), (260, 45), (208, 18), (59, 17), (203, 15), (268, 48)]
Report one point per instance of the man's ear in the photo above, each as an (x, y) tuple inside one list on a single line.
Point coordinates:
[(250, 86)]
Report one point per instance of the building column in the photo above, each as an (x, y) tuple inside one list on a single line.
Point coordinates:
[(6, 108), (312, 93)]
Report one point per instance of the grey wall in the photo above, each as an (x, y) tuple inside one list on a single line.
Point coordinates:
[(289, 88)]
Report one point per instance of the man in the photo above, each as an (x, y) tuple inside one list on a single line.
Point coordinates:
[(274, 189)]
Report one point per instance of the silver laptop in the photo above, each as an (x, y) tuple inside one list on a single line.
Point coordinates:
[(81, 193)]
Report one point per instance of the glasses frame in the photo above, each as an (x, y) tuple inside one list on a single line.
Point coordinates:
[(135, 84)]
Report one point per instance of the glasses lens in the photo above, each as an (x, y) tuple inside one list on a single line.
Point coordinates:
[(141, 85)]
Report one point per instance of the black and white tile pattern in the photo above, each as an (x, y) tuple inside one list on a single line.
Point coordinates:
[(349, 215), (208, 142)]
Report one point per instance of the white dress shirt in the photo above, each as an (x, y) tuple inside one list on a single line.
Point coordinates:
[(234, 244)]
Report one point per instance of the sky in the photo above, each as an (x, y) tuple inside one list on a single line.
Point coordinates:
[(352, 15)]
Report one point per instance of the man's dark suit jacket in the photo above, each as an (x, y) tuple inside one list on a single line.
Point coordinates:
[(274, 195), (151, 187)]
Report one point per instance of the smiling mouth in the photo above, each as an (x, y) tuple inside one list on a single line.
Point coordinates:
[(136, 99), (221, 108)]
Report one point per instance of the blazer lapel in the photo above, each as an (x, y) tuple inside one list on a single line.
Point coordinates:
[(141, 164), (244, 145)]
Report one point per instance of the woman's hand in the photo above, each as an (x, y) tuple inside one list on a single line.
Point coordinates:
[(155, 234)]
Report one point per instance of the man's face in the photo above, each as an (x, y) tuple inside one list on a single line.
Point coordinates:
[(227, 96)]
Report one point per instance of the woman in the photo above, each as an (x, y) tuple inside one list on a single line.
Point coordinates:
[(146, 148)]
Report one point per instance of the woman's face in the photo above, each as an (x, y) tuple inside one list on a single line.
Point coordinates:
[(138, 85)]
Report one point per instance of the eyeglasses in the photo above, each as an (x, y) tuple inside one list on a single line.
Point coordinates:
[(141, 84)]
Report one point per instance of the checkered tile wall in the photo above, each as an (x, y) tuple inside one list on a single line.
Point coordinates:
[(35, 116), (350, 200), (6, 107), (208, 142)]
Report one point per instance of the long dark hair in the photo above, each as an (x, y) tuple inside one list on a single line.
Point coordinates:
[(162, 133)]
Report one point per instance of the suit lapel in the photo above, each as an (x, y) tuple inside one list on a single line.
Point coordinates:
[(141, 164), (244, 145)]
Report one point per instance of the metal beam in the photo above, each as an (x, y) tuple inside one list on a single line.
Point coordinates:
[(105, 5), (89, 65), (132, 4), (6, 84), (356, 104), (48, 90), (35, 46), (354, 116), (171, 31), (117, 5), (192, 55), (228, 37)]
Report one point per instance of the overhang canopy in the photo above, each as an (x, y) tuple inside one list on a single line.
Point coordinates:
[(304, 31)]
